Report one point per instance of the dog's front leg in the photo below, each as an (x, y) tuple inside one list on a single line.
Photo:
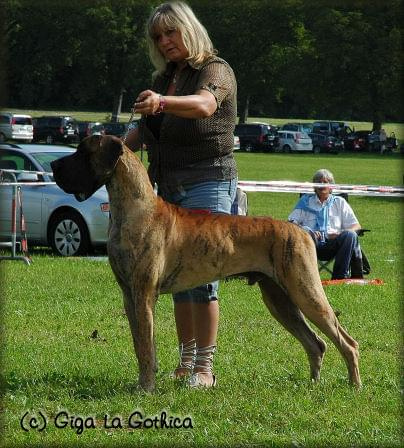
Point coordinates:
[(139, 308)]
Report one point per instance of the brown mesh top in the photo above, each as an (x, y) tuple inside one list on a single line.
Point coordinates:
[(184, 150)]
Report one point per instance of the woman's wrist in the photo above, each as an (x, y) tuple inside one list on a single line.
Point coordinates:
[(161, 106)]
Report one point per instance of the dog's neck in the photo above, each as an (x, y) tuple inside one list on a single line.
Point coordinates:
[(130, 182)]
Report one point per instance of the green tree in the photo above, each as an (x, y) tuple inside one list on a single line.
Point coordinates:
[(76, 53), (356, 64), (264, 41), (318, 58), (112, 59)]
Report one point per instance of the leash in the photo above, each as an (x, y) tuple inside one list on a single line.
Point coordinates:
[(141, 132)]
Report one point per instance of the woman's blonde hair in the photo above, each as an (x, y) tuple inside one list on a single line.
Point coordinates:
[(178, 16)]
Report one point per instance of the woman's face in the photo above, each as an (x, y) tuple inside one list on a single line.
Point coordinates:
[(170, 44), (323, 192)]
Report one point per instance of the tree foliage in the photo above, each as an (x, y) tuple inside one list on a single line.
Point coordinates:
[(302, 58)]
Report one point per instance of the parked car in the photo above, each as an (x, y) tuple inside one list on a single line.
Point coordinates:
[(15, 127), (294, 141), (298, 127), (358, 141), (256, 137), (118, 129), (326, 143), (335, 128), (56, 129), (87, 128), (236, 145), (53, 218)]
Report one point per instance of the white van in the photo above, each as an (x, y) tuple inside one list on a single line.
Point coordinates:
[(16, 127)]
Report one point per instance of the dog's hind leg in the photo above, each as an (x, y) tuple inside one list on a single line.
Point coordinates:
[(313, 303), (287, 313)]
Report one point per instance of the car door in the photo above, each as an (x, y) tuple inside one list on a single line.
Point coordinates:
[(32, 198)]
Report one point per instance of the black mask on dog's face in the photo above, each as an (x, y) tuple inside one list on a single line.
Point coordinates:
[(90, 167)]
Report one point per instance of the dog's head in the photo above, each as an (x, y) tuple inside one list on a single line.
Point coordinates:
[(90, 167)]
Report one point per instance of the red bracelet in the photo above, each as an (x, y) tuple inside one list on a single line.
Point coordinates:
[(162, 105)]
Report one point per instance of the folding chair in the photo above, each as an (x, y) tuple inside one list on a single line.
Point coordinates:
[(240, 204), (326, 265)]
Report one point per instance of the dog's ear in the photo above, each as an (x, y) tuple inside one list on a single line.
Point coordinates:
[(111, 149)]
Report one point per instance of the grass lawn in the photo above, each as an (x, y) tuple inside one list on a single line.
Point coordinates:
[(54, 361)]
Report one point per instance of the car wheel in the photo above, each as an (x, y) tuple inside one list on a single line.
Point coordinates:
[(248, 147), (2, 138), (49, 139), (316, 150), (286, 148), (68, 234)]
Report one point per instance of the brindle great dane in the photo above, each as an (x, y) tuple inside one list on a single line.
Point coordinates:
[(155, 247)]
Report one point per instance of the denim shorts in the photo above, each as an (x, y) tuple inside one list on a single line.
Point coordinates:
[(216, 196)]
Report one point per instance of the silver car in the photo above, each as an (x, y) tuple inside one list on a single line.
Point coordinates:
[(15, 127), (53, 218), (294, 141)]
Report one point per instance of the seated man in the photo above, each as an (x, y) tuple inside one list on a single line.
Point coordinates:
[(332, 224)]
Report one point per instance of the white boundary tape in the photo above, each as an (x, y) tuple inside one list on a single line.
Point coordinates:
[(21, 184), (285, 186), (275, 186)]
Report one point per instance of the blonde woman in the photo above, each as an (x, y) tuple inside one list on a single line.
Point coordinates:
[(188, 119)]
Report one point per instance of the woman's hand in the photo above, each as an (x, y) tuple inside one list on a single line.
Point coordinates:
[(147, 103)]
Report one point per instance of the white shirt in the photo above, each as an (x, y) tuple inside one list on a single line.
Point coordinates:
[(341, 215)]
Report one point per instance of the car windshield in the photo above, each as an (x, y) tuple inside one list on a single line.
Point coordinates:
[(45, 158)]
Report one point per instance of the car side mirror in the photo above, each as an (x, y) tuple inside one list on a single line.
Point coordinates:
[(27, 177)]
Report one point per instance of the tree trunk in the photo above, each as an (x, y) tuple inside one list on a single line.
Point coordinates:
[(116, 108), (377, 121), (244, 113)]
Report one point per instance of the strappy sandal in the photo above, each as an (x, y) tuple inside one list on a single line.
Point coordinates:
[(185, 366), (204, 360)]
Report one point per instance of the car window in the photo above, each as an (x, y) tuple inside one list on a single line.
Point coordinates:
[(45, 159), (22, 120), (307, 128), (20, 161), (4, 119), (54, 122)]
